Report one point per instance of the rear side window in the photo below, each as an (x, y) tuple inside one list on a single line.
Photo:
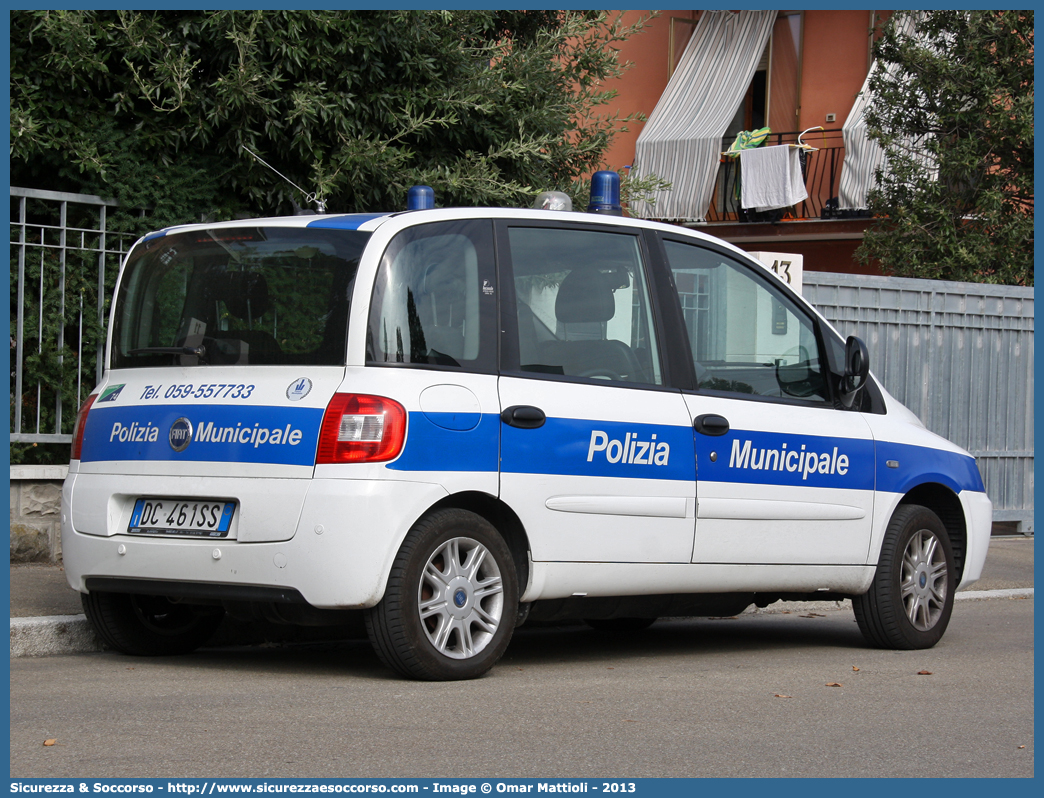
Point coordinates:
[(244, 296), (582, 305), (434, 302)]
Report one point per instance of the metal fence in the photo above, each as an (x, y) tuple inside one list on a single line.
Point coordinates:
[(55, 235), (960, 356)]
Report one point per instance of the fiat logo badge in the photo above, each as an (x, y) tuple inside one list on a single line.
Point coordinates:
[(180, 434)]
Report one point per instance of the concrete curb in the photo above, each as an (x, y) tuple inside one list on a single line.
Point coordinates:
[(72, 634), (1014, 592), (55, 634), (820, 606)]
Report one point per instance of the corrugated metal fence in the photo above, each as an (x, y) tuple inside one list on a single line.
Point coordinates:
[(960, 356)]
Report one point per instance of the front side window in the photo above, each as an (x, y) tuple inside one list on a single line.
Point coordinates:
[(434, 301), (746, 335), (237, 296), (583, 305)]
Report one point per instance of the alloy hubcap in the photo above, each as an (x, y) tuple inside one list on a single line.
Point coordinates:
[(924, 576), (461, 598)]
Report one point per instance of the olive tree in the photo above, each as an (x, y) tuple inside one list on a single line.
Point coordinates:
[(953, 110), (159, 108)]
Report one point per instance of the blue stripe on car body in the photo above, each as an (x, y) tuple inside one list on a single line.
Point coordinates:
[(917, 465), (220, 433), (564, 447), (349, 221), (431, 445)]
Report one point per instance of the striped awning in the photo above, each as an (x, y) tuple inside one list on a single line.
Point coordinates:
[(682, 141), (864, 157)]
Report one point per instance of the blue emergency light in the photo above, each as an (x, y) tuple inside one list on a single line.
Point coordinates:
[(420, 198), (605, 193)]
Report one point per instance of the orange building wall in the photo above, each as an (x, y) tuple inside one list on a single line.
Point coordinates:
[(819, 256), (641, 86), (834, 65)]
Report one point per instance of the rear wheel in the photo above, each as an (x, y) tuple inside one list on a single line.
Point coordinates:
[(451, 602), (910, 600), (149, 626)]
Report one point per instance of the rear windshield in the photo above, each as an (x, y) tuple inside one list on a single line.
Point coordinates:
[(243, 296)]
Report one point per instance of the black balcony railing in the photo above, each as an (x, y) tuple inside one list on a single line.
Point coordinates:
[(822, 172)]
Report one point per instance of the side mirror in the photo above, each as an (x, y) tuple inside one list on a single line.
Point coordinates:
[(857, 370)]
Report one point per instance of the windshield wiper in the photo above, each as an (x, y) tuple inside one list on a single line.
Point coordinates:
[(199, 351)]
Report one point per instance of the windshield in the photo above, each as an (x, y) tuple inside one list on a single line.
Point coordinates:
[(237, 296)]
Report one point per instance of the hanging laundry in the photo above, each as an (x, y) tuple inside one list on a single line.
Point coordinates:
[(771, 177), (748, 140)]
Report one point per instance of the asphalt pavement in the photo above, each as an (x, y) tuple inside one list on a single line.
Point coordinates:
[(790, 690), (754, 695), (47, 618)]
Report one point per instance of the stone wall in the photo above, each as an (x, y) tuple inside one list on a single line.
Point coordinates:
[(36, 511)]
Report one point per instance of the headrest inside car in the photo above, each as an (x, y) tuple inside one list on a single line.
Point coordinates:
[(585, 295)]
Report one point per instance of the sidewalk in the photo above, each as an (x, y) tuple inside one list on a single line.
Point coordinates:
[(46, 616)]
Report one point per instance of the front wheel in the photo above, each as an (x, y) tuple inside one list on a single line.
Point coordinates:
[(149, 626), (910, 600), (449, 609)]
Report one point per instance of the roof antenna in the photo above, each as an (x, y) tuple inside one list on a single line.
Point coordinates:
[(320, 205)]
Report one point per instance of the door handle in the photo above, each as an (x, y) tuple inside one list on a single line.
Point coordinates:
[(711, 424), (523, 417)]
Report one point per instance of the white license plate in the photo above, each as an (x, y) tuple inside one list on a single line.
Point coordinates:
[(199, 518)]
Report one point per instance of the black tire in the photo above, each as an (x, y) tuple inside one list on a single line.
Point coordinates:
[(451, 602), (149, 626), (620, 624), (910, 600)]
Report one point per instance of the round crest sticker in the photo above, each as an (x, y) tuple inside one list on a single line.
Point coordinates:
[(180, 435), (299, 389)]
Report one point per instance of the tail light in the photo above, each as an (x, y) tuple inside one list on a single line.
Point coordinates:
[(361, 429), (81, 422)]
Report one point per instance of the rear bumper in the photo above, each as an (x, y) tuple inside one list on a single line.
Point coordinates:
[(342, 540)]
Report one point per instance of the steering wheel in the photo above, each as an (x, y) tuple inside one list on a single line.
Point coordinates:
[(797, 379)]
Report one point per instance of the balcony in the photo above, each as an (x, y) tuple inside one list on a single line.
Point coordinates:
[(826, 236), (822, 172)]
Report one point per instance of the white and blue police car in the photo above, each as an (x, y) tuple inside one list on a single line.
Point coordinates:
[(452, 421)]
